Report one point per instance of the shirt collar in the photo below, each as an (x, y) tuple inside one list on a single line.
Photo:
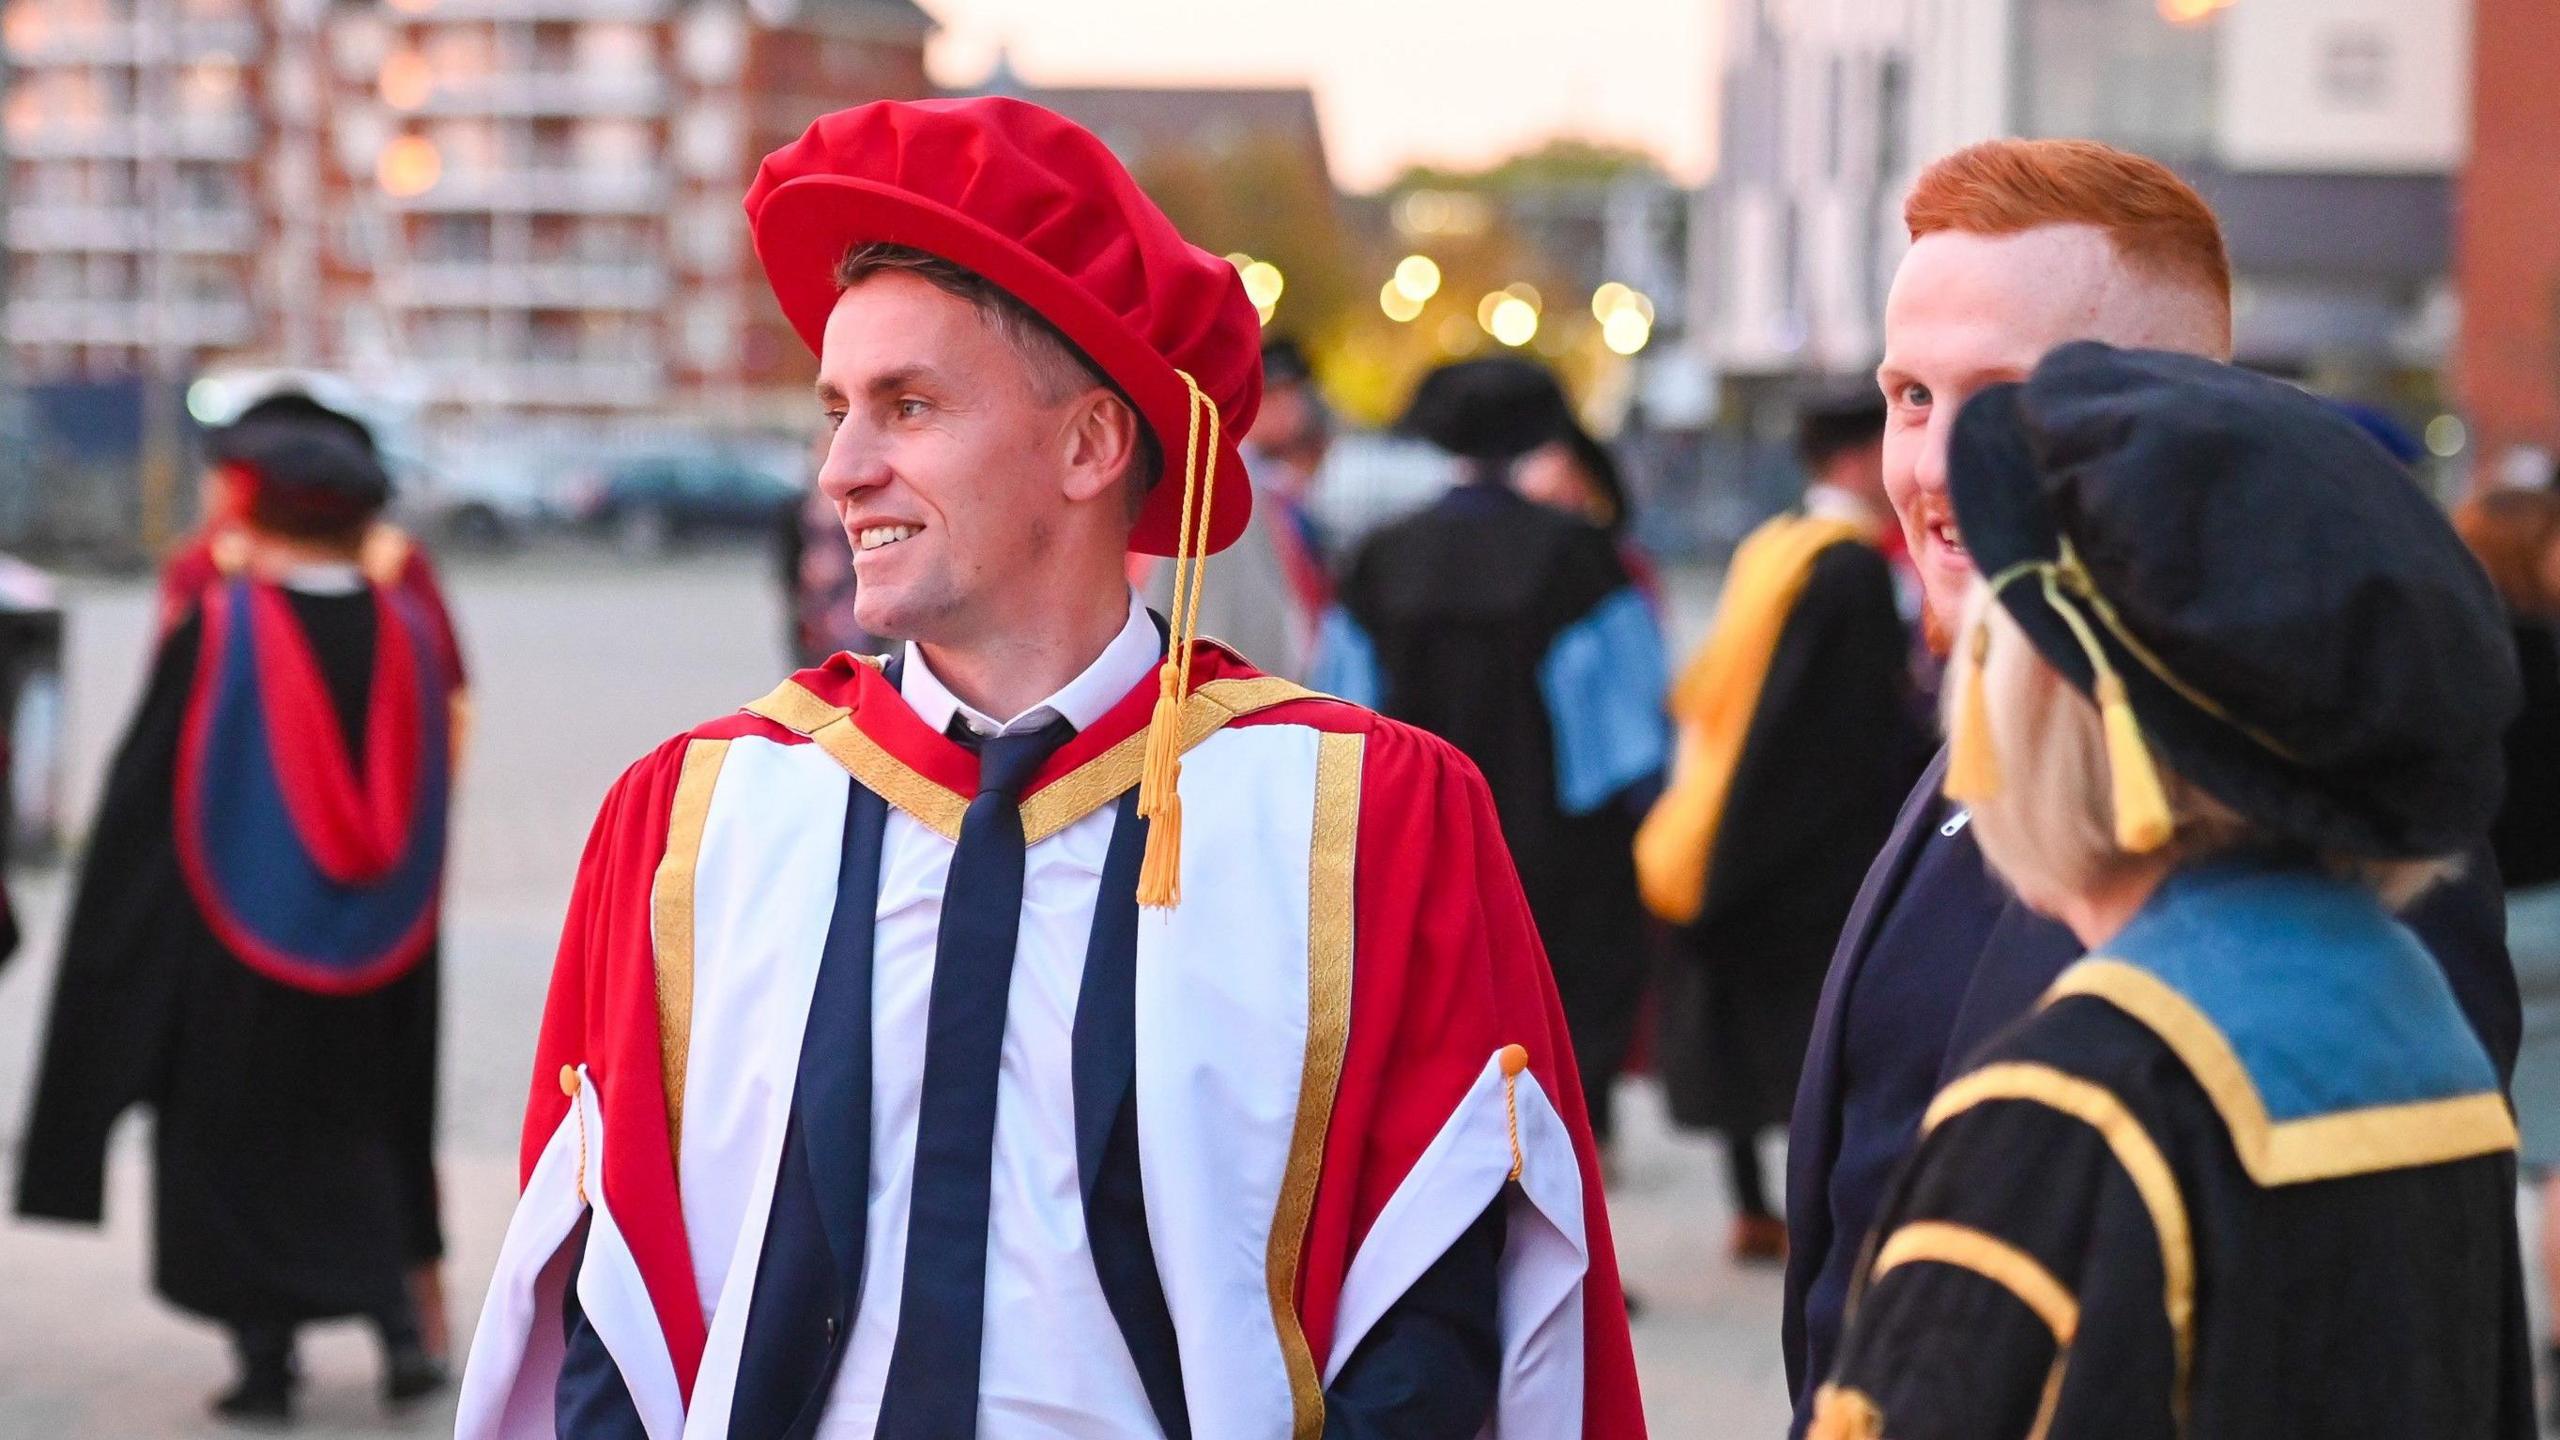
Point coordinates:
[(324, 578), (1122, 666)]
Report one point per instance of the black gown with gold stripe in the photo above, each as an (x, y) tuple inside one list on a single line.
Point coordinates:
[(2246, 1176)]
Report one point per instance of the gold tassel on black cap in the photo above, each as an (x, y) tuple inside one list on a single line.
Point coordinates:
[(2140, 801), (1160, 780), (1973, 763)]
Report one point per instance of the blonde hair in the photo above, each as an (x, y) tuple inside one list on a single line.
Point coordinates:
[(2049, 828)]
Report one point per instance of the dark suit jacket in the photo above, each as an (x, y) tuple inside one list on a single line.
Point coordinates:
[(2462, 922)]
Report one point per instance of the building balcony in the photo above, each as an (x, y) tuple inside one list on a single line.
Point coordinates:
[(543, 285), (183, 324), (43, 46), (530, 94), (129, 229), (586, 383), (431, 11), (559, 190), (193, 137)]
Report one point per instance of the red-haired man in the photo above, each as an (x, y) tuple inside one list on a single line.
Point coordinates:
[(2017, 247)]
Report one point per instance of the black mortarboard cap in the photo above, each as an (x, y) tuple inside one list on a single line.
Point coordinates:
[(1493, 409), (2298, 629)]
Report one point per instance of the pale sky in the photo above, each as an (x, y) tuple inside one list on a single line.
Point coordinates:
[(1396, 80)]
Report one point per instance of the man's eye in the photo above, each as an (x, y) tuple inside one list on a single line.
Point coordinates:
[(912, 408), (835, 420), (1915, 397)]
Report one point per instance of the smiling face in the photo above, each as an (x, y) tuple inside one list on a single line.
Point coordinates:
[(966, 483), (1971, 310)]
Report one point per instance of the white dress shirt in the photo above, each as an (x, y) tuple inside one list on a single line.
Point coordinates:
[(1053, 1364)]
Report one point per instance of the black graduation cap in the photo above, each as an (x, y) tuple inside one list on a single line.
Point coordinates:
[(1284, 362), (2291, 622), (1493, 409), (303, 466)]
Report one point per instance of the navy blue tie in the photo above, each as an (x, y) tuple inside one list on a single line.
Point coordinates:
[(932, 1388)]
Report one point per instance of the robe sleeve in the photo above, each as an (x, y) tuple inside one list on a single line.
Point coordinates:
[(2016, 1284), (112, 1003), (1429, 1368), (1448, 971)]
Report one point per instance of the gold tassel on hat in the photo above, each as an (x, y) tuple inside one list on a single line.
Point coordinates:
[(1973, 765), (1160, 780), (2141, 802)]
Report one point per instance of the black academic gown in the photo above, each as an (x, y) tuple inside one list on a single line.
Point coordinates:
[(1832, 749), (293, 1174), (1936, 958), (1463, 605), (2079, 1250)]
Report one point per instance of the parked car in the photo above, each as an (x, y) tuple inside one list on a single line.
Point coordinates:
[(650, 504)]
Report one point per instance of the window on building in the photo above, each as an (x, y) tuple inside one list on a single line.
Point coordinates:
[(455, 237), (2355, 68)]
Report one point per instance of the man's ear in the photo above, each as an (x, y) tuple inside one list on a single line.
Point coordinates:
[(1101, 440)]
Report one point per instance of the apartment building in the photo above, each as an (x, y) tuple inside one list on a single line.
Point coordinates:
[(2325, 132), (517, 219)]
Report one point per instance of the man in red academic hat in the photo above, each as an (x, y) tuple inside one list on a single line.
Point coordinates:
[(1054, 1028)]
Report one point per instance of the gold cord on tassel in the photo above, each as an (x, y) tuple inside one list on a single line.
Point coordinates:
[(2141, 802), (1160, 780), (2138, 797), (1973, 763)]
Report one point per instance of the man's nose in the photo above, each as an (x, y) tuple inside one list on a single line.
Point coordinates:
[(854, 462), (1929, 467)]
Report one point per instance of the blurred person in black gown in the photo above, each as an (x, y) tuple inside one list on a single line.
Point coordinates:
[(1514, 631), (2516, 535), (1798, 740), (253, 951)]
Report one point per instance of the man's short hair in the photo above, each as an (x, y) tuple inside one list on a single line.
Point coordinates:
[(1838, 420), (2157, 222), (1059, 367)]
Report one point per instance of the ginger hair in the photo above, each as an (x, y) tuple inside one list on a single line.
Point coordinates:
[(2157, 222)]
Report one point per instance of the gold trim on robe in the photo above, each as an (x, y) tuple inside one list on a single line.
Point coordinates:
[(2139, 1155), (1333, 855), (671, 921), (2289, 1152)]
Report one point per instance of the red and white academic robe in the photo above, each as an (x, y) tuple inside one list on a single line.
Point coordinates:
[(1328, 1028)]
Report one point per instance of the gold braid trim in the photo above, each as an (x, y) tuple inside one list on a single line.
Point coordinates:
[(2320, 1147), (671, 921), (1333, 856), (2135, 1152)]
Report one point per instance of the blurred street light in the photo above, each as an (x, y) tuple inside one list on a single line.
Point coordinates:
[(1615, 297), (406, 80), (1400, 306), (1263, 284), (2446, 436), (1513, 321), (410, 166), (1527, 294), (1626, 331), (2191, 12), (1417, 279)]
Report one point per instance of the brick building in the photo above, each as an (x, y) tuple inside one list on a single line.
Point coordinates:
[(519, 218), (2508, 260)]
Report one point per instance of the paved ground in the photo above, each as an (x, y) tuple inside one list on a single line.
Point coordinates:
[(582, 665)]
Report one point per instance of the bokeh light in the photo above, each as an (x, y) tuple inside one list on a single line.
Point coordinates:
[(410, 166), (1513, 321), (1263, 284), (2447, 436), (1399, 306), (1626, 331), (406, 80), (1417, 278)]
